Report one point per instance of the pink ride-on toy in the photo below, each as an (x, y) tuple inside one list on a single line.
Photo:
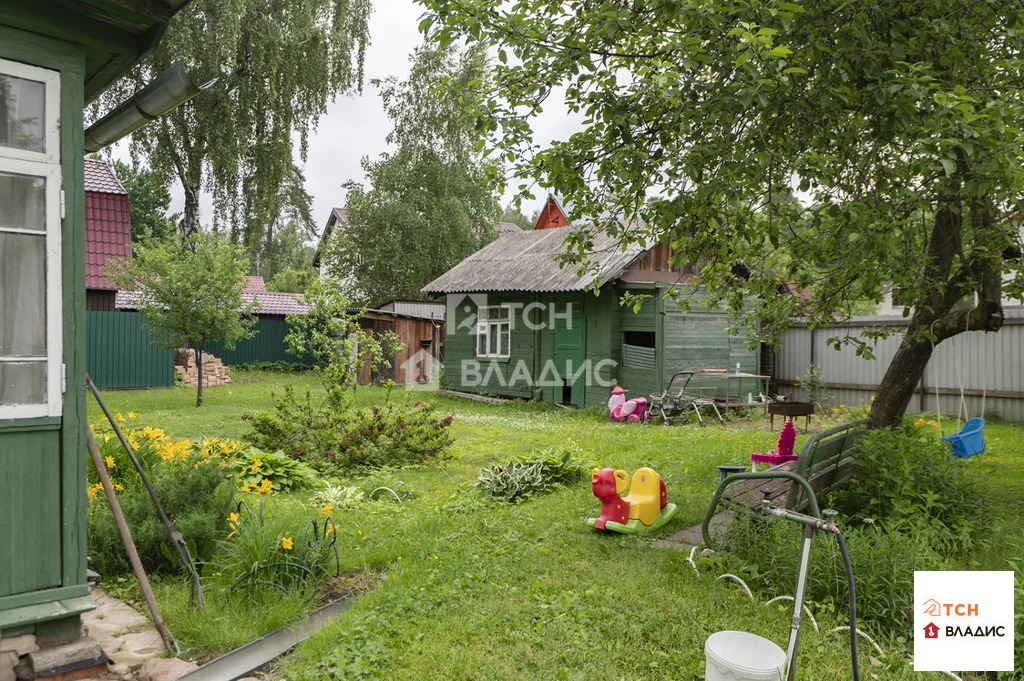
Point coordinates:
[(783, 451), (621, 409)]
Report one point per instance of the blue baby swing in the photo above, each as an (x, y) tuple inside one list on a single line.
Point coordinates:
[(970, 439)]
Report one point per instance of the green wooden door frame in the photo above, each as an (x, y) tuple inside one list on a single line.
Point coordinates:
[(568, 354), (68, 437)]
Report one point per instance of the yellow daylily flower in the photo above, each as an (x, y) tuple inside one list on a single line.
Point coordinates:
[(110, 462), (326, 509), (119, 487), (132, 415), (233, 518), (256, 465), (287, 543), (118, 417)]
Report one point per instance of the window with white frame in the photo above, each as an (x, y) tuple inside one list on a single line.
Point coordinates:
[(30, 242), (493, 327)]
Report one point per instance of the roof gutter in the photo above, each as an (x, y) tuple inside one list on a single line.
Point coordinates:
[(170, 89)]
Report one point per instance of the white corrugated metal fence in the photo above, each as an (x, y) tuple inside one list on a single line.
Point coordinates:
[(988, 363)]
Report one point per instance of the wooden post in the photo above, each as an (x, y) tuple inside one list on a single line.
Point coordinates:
[(129, 545)]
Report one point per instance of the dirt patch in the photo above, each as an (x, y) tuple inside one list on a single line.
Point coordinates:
[(349, 585)]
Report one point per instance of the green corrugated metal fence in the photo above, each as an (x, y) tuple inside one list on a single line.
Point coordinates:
[(266, 346), (119, 352)]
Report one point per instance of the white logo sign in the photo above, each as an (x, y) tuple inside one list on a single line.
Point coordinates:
[(963, 620)]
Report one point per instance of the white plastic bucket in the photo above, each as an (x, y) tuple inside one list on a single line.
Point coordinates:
[(742, 656)]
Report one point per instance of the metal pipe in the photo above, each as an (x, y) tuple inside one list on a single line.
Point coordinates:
[(170, 89), (717, 496), (129, 544), (172, 531), (798, 602)]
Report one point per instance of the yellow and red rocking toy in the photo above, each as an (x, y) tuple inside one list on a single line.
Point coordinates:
[(645, 507)]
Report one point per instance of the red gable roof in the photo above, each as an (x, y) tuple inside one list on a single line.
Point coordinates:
[(552, 215), (108, 227)]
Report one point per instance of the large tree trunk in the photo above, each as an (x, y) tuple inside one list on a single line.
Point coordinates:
[(189, 224), (935, 318), (199, 375)]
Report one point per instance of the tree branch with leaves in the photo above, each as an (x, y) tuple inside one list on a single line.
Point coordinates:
[(897, 124)]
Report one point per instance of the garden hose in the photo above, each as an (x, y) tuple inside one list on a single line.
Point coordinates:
[(853, 602)]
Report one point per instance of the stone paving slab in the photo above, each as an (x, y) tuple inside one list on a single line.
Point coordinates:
[(685, 539), (128, 638)]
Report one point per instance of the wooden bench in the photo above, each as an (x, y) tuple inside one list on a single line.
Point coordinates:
[(827, 460)]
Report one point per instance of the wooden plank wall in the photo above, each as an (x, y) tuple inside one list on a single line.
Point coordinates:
[(423, 350)]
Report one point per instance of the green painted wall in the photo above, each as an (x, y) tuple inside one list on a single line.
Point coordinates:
[(120, 353), (699, 338), (42, 498), (505, 377)]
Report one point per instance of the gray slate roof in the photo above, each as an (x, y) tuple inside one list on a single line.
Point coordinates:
[(524, 262)]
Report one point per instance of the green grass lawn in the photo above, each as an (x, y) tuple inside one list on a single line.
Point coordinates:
[(479, 591)]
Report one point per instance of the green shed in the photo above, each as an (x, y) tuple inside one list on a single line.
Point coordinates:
[(519, 325), (56, 56)]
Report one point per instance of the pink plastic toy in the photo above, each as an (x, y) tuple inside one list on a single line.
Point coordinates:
[(783, 450), (621, 409)]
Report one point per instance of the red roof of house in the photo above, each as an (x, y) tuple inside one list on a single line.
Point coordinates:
[(268, 303), (552, 215), (108, 227)]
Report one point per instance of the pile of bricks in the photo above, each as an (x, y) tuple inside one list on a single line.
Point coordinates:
[(214, 371)]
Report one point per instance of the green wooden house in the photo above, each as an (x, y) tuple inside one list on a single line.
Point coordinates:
[(56, 56), (519, 325)]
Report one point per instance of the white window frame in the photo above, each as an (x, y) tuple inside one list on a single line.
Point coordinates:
[(45, 164), (484, 323)]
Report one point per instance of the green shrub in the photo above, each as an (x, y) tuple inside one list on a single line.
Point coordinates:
[(193, 493), (252, 466), (907, 479), (883, 558), (278, 366), (189, 482), (526, 476), (337, 437), (286, 550)]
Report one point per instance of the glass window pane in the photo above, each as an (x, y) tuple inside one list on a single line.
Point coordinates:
[(22, 383), (481, 342), (22, 201), (22, 113), (22, 295), (492, 346), (503, 350)]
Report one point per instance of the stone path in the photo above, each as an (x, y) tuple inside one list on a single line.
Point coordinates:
[(684, 540), (127, 637)]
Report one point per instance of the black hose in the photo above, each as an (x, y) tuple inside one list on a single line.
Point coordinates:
[(853, 603)]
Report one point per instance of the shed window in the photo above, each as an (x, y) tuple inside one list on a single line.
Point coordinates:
[(641, 339), (30, 249), (492, 332), (638, 350)]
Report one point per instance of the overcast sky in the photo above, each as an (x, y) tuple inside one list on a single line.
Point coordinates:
[(356, 126)]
